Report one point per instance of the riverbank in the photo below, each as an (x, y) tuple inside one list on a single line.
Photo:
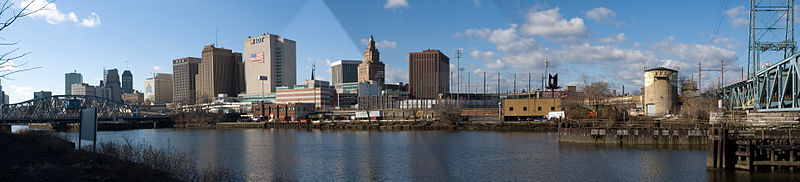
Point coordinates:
[(40, 157), (396, 125), (634, 133)]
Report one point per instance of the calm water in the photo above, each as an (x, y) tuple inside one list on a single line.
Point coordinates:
[(264, 154)]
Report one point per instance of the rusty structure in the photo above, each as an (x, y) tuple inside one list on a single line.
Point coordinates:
[(65, 108)]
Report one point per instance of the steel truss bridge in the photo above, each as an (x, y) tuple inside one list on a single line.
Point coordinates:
[(769, 87), (62, 108)]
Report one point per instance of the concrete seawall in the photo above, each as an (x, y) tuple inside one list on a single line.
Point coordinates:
[(634, 136)]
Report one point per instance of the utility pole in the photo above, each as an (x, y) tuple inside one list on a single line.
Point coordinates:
[(700, 71), (459, 53)]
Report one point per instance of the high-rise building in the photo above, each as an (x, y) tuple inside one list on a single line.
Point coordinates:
[(82, 89), (69, 79), (112, 88), (272, 56), (371, 68), (220, 72), (344, 71), (127, 81), (158, 88), (429, 74), (184, 71), (42, 94), (3, 96)]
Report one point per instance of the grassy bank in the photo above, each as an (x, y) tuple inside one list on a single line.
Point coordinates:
[(42, 156)]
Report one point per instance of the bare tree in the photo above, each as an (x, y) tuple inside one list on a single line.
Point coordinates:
[(596, 92), (449, 113), (9, 15)]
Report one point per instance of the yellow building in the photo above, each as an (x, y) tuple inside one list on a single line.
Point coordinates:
[(529, 108)]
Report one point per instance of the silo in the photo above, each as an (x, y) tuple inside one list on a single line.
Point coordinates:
[(660, 91)]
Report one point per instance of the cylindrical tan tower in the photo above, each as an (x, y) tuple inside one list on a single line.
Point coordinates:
[(660, 91)]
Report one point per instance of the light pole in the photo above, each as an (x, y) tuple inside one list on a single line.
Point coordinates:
[(459, 53), (262, 78)]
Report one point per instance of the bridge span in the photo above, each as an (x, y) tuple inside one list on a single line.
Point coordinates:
[(66, 108)]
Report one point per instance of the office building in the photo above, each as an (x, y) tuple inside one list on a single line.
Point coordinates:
[(134, 98), (184, 71), (220, 72), (82, 89), (112, 88), (271, 56), (127, 81), (3, 96), (42, 94), (158, 89), (69, 79), (312, 91), (371, 68), (429, 74), (344, 71)]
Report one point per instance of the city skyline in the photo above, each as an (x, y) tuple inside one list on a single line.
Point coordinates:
[(505, 37)]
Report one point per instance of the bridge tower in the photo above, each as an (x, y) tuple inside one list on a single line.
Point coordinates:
[(771, 30)]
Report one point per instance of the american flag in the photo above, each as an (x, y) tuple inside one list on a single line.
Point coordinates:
[(257, 57)]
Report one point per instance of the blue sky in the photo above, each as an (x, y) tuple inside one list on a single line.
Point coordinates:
[(606, 40)]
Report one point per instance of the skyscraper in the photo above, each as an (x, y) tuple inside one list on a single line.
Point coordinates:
[(429, 74), (344, 71), (69, 79), (272, 56), (184, 71), (158, 88), (127, 81), (3, 96), (220, 71), (112, 87), (371, 68)]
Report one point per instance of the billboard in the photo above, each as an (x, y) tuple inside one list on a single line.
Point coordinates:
[(88, 124)]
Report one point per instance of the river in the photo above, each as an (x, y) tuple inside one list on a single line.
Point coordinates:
[(314, 155)]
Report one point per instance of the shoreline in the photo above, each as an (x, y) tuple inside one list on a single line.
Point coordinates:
[(404, 125)]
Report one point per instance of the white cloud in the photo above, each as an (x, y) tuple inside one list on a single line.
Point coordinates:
[(516, 47), (383, 44), (394, 75), (496, 65), (477, 3), (158, 68), (390, 4), (727, 42), (737, 16), (614, 38), (551, 25), (91, 21), (18, 93), (52, 15), (603, 15), (8, 66), (488, 55)]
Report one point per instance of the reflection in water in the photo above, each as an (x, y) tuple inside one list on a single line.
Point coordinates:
[(314, 155)]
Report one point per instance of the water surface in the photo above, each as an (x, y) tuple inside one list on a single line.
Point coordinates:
[(314, 155)]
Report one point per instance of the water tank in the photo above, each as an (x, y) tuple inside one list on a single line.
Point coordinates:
[(660, 91)]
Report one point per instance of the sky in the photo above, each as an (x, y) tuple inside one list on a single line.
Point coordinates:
[(611, 41)]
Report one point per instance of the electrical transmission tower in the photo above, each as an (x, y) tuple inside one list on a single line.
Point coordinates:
[(771, 30)]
